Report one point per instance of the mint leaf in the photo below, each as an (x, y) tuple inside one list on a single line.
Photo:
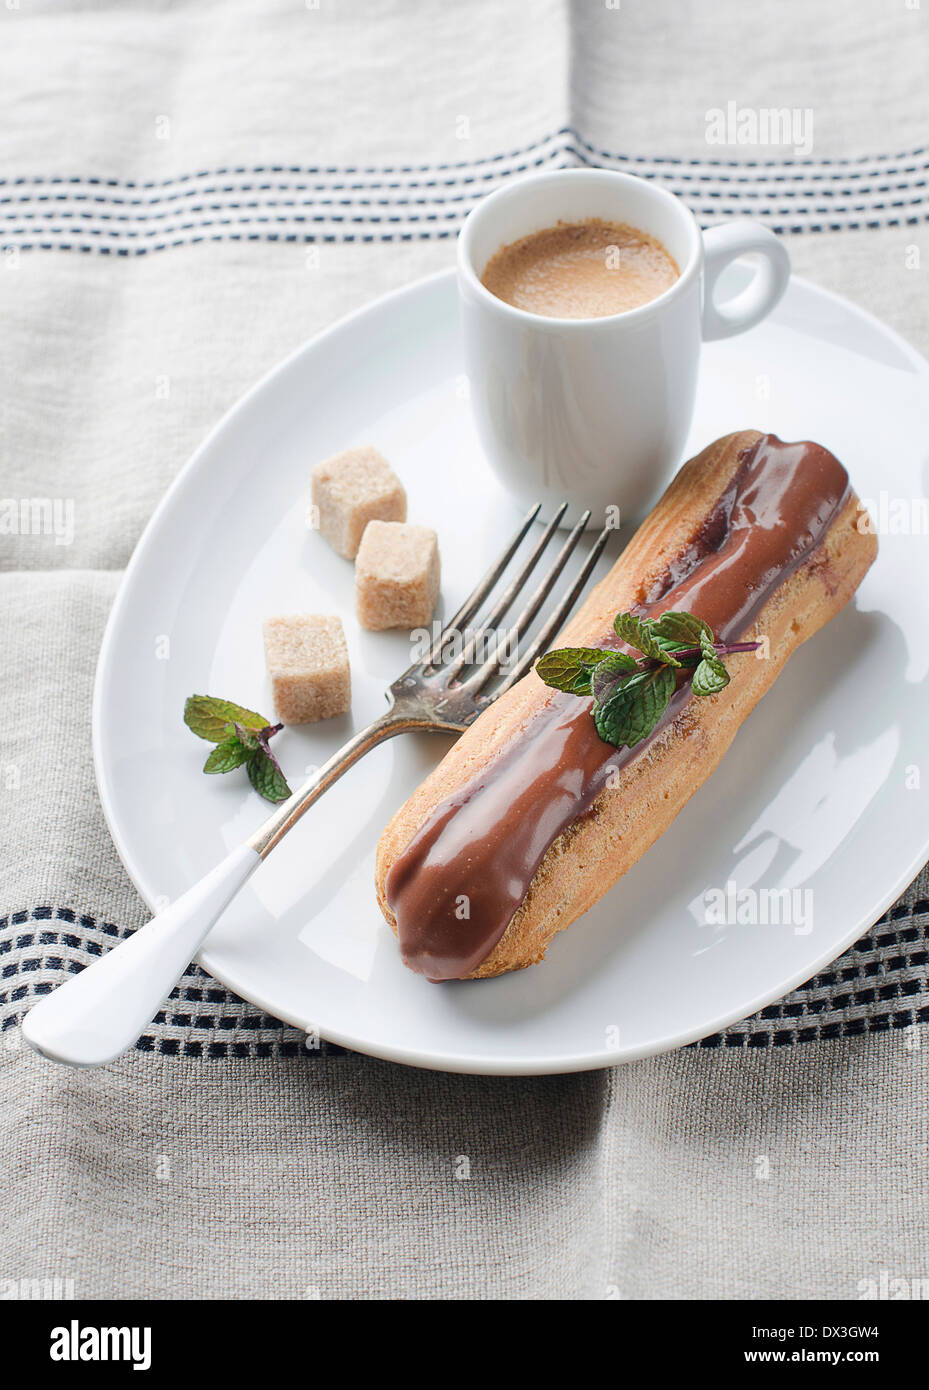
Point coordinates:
[(632, 712), (610, 674), (570, 668), (638, 633), (266, 777), (225, 756), (214, 719), (710, 676), (683, 629)]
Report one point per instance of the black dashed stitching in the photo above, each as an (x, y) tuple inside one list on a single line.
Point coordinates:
[(845, 981)]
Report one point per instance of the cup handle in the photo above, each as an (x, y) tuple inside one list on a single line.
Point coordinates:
[(721, 246)]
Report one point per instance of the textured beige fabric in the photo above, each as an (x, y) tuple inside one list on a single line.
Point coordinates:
[(791, 1171), (652, 71)]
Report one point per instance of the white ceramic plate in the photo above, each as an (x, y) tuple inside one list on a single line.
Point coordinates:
[(815, 795)]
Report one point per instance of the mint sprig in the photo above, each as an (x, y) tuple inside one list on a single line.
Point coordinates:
[(630, 695), (241, 736)]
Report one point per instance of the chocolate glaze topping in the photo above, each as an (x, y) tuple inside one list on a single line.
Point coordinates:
[(483, 844)]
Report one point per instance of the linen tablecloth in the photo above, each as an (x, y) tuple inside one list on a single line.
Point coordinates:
[(164, 170)]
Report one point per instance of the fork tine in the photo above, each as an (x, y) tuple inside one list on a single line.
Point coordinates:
[(557, 618), (493, 663), (505, 601), (477, 596)]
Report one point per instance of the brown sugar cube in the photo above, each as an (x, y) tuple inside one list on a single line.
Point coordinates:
[(396, 576), (349, 490), (308, 666)]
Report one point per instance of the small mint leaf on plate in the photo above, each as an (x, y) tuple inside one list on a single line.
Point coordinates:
[(241, 736), (569, 668), (632, 712), (266, 777), (213, 719), (225, 756), (638, 633)]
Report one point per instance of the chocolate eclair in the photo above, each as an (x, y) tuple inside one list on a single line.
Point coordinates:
[(531, 817)]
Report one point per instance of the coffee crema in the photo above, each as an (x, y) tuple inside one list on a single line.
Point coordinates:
[(581, 270)]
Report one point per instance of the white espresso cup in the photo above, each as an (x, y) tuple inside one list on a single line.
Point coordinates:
[(596, 411)]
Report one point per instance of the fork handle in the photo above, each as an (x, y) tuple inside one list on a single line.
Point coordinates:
[(95, 1016), (285, 816)]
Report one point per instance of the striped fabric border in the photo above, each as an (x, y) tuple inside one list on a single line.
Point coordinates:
[(292, 203), (41, 947), (881, 983)]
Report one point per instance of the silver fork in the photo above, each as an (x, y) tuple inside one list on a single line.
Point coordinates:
[(94, 1017)]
